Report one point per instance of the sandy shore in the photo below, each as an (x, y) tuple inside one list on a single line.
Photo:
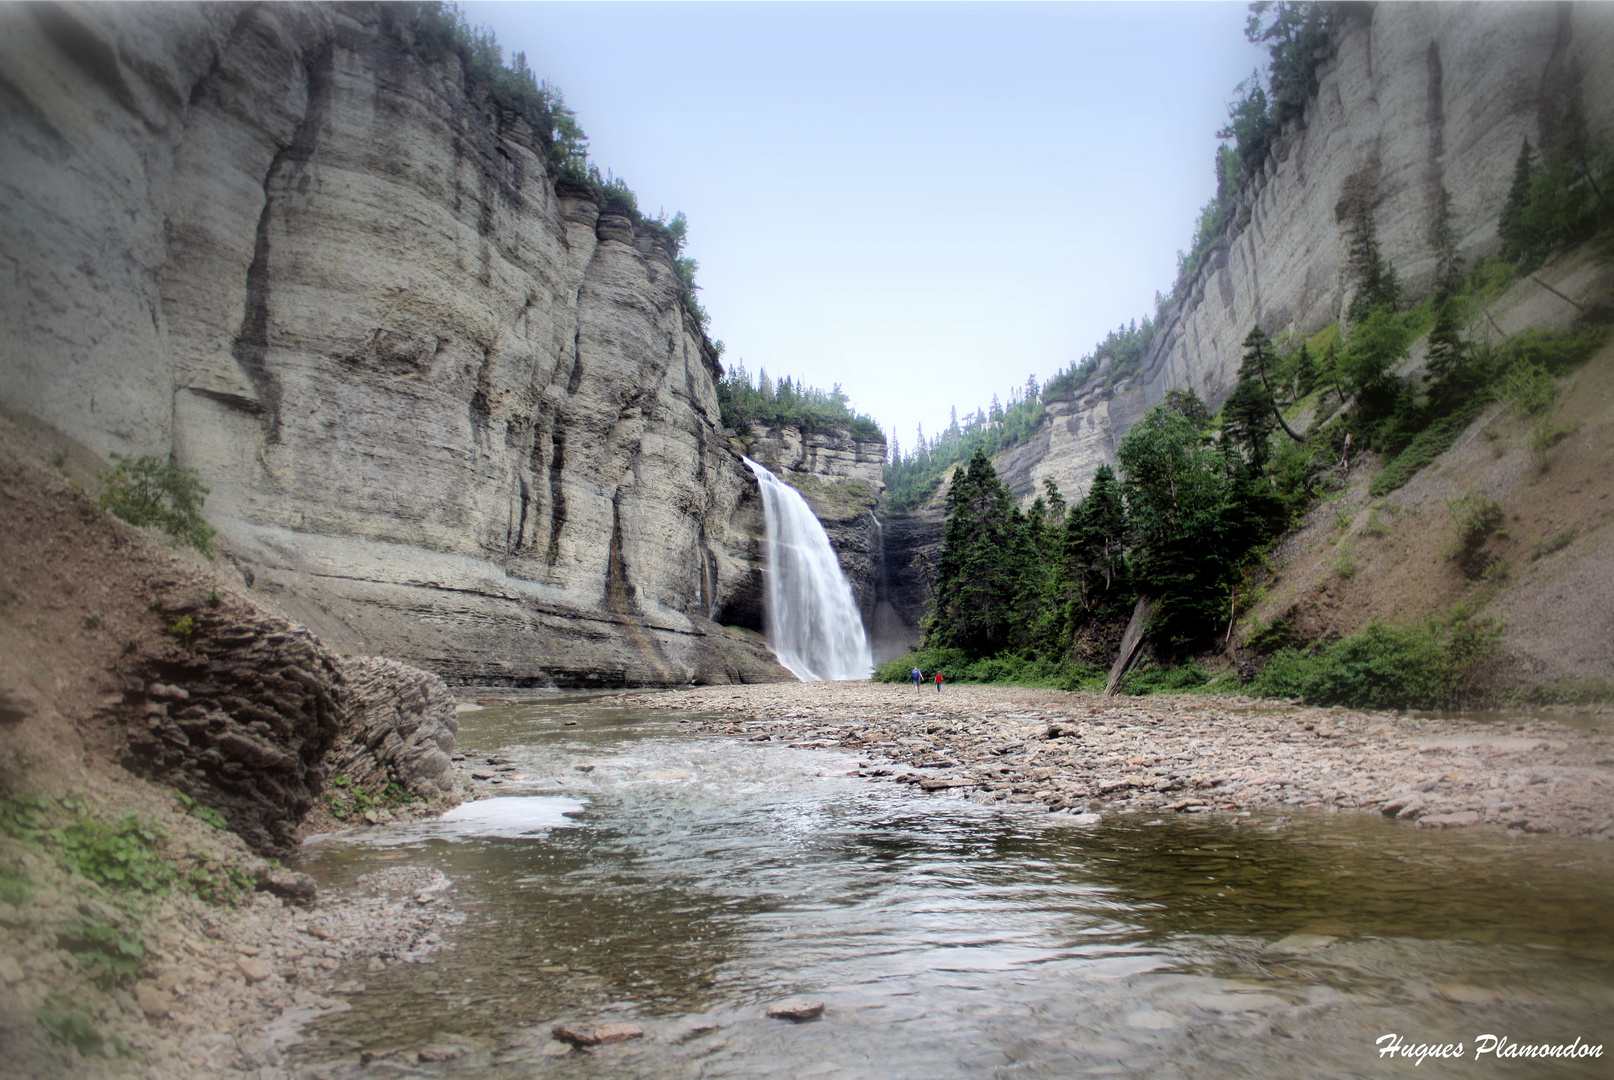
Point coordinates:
[(1082, 753)]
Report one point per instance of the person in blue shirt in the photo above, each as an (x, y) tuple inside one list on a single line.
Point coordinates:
[(918, 677)]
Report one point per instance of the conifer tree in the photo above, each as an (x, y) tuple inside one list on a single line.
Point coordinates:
[(1514, 226), (1377, 285), (1305, 372), (979, 578), (1095, 540), (1445, 340)]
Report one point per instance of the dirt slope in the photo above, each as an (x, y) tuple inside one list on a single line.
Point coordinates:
[(1356, 559)]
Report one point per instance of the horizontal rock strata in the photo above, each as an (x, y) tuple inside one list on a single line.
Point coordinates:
[(447, 410)]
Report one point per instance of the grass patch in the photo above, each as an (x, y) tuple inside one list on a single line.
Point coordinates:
[(1319, 342), (1554, 543)]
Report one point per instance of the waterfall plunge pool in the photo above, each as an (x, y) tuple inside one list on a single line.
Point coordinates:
[(682, 882)]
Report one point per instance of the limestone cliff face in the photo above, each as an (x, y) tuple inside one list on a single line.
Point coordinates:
[(445, 412), (1413, 97)]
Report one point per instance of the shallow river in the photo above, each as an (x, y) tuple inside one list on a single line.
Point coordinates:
[(683, 882)]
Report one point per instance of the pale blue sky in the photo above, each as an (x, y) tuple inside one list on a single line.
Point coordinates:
[(922, 202)]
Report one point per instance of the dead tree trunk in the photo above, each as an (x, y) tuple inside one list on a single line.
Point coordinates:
[(1141, 614)]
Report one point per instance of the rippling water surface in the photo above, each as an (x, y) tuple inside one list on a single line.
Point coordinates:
[(636, 870)]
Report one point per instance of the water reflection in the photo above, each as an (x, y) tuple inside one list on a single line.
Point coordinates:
[(706, 877)]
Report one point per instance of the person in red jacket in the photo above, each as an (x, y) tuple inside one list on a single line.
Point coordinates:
[(938, 680)]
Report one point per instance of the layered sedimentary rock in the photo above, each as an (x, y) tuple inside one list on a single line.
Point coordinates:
[(236, 708), (1413, 97), (445, 412), (402, 728)]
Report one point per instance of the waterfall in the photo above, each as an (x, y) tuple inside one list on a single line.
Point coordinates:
[(812, 620)]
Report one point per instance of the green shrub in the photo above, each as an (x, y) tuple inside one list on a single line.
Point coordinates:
[(15, 885), (1475, 520), (1557, 352), (1528, 389), (182, 627), (1544, 435), (1017, 669), (218, 884), (951, 662), (24, 818), (147, 491), (201, 812), (1164, 680), (1387, 667), (1568, 691), (1286, 674), (1270, 637)]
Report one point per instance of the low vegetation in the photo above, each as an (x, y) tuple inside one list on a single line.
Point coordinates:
[(1389, 667), (148, 491), (123, 862)]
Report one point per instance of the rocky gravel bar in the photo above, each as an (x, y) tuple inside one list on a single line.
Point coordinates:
[(1084, 753)]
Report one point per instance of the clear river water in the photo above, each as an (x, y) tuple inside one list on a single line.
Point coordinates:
[(637, 870)]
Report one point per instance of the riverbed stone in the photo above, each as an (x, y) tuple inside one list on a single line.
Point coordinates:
[(254, 969), (575, 1034), (1302, 943), (1234, 754), (796, 1009), (1458, 820)]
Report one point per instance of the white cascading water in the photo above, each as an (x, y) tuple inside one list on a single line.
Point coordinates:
[(812, 620)]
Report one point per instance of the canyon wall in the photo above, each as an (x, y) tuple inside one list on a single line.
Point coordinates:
[(446, 413), (1413, 97)]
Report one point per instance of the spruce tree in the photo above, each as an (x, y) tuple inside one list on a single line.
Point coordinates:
[(1305, 372), (1514, 226), (1445, 340), (1377, 285), (979, 577), (1095, 541)]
